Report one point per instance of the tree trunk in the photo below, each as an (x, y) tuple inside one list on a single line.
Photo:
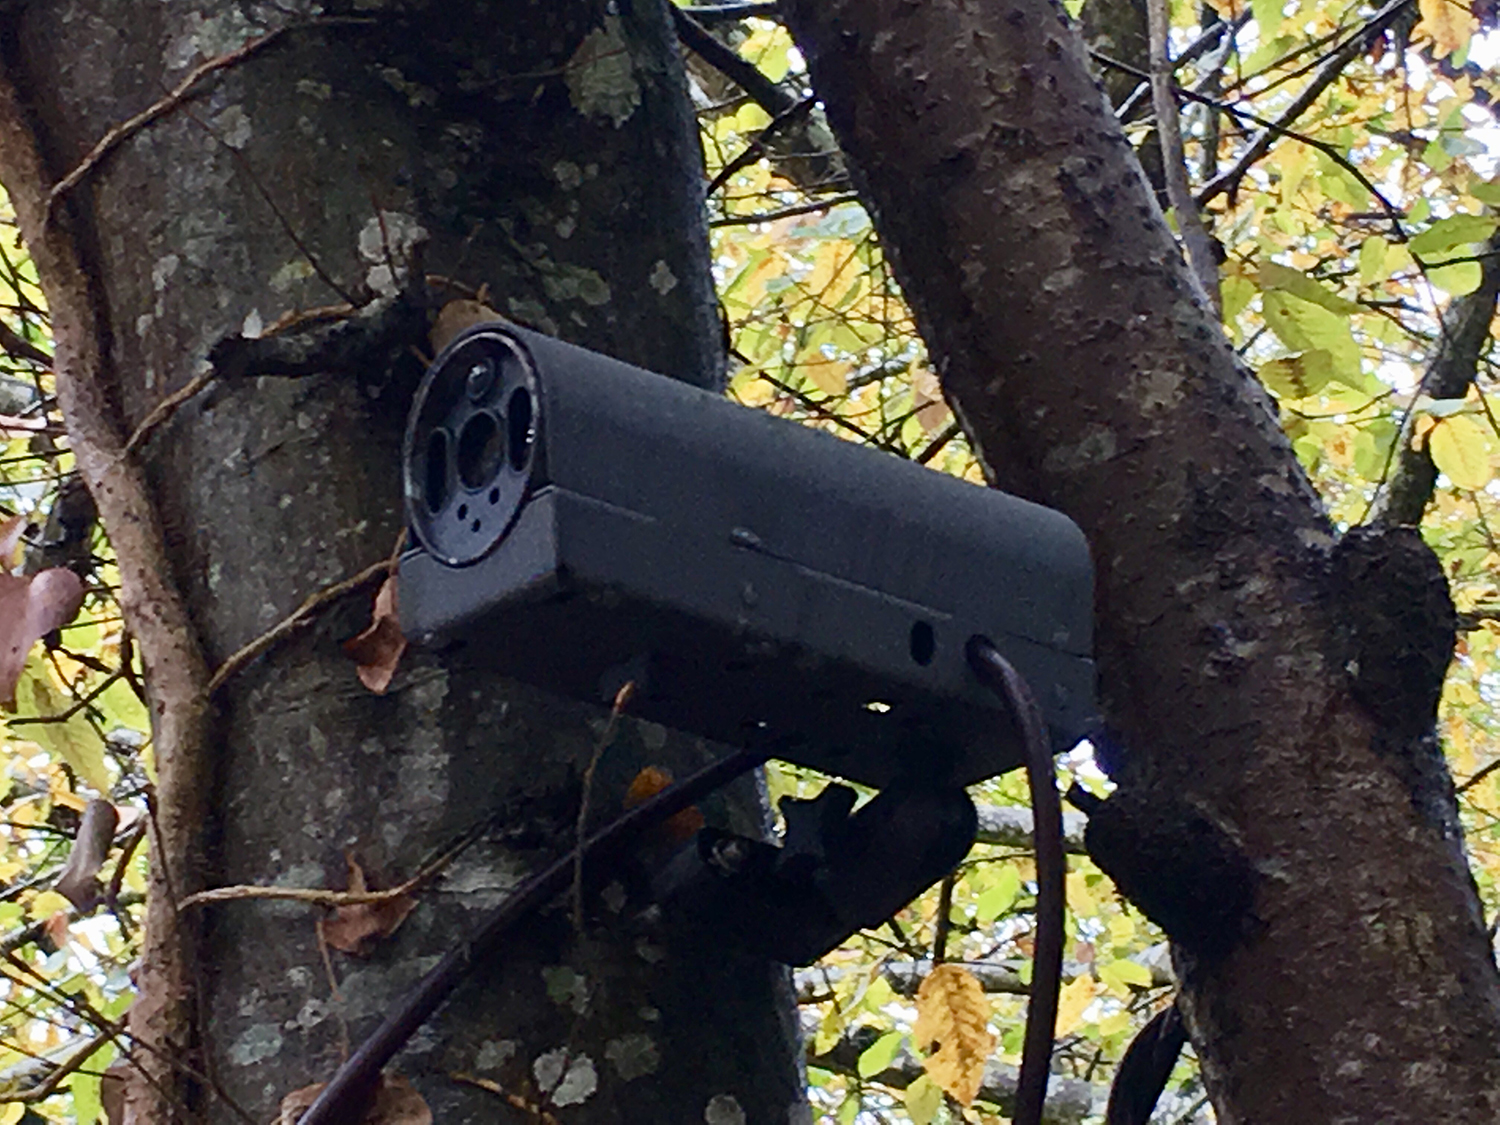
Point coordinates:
[(1265, 682), (547, 151)]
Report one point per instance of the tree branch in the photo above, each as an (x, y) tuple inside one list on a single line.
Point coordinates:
[(1199, 245), (150, 601), (1069, 1101), (1465, 331), (741, 71)]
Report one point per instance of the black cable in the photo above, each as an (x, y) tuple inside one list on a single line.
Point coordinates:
[(1046, 809), (344, 1100)]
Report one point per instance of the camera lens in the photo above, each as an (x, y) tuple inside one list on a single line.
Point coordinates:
[(481, 449)]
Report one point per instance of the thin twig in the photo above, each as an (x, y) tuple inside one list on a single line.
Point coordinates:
[(515, 1101), (757, 147), (67, 1067), (333, 990), (317, 896), (606, 736), (166, 408), (179, 94), (785, 212), (1392, 214), (1325, 76), (939, 442), (1479, 775), (301, 617), (944, 918)]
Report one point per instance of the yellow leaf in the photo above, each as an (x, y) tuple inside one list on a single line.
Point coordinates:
[(1119, 975), (952, 1024), (831, 376), (1449, 24), (1080, 901), (1073, 1001), (47, 904), (1461, 450)]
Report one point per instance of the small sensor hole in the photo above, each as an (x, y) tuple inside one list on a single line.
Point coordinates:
[(923, 643)]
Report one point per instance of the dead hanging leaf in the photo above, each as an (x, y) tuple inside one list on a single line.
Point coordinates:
[(31, 606), (927, 397), (396, 1103), (356, 929), (680, 827), (952, 1027), (454, 317), (378, 649), (56, 928), (79, 882)]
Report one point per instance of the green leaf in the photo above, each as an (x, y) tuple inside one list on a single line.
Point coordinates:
[(1120, 975), (1487, 192), (73, 741), (1337, 183), (1298, 284), (1236, 293), (1267, 16), (1305, 327), (86, 1104), (923, 1099), (1372, 448), (1372, 260), (1457, 279), (1297, 376), (1452, 232), (997, 899), (879, 1054), (1461, 450)]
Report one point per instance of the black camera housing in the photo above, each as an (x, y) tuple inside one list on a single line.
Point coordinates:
[(580, 523)]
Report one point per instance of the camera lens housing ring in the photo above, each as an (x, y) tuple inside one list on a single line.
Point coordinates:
[(469, 447)]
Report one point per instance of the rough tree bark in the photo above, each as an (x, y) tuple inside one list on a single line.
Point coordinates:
[(548, 151), (1279, 685)]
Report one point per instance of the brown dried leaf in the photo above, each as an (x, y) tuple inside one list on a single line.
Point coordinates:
[(454, 317), (56, 928), (356, 929), (396, 1103), (953, 1016), (30, 608), (11, 530), (679, 827), (378, 649), (78, 882), (112, 1092)]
